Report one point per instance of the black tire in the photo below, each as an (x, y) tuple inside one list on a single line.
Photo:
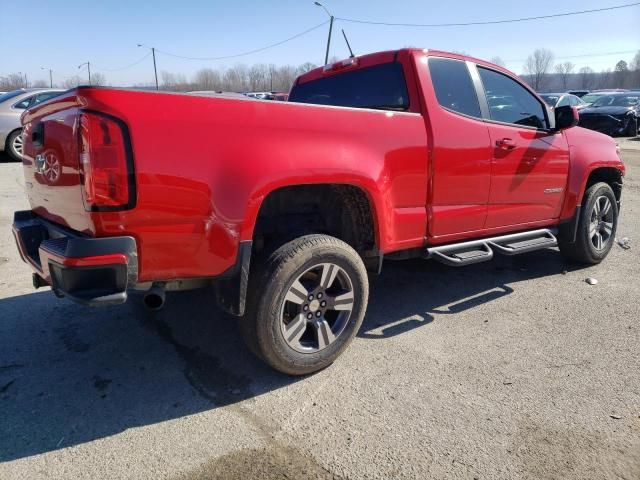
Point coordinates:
[(271, 281), (9, 147), (632, 128), (584, 249)]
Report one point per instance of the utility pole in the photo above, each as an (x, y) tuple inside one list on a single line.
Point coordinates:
[(155, 69), (88, 64), (331, 18), (50, 76)]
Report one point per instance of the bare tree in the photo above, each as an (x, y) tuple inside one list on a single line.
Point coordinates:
[(537, 66), (258, 77), (40, 84), (71, 82), (305, 67), (207, 79), (621, 73), (634, 66), (564, 70), (586, 77), (235, 79), (604, 78), (12, 82), (98, 79), (497, 61)]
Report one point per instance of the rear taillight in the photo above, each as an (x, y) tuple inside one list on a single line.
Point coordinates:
[(105, 165)]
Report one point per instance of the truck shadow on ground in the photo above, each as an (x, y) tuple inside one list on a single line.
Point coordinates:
[(70, 374)]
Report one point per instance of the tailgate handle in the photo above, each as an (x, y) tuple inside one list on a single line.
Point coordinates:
[(37, 135)]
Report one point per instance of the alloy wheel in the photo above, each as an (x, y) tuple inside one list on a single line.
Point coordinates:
[(601, 223), (317, 308), (16, 145)]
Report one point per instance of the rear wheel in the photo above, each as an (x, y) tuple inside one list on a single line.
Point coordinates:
[(596, 226), (14, 145), (308, 301)]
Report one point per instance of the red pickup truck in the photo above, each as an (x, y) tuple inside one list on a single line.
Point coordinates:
[(282, 207)]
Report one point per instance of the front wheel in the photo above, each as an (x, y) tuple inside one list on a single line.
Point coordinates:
[(307, 302), (14, 145), (596, 226)]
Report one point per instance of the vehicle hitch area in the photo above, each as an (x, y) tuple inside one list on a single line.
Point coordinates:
[(476, 251)]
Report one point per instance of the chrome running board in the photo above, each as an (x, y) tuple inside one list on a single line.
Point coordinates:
[(476, 251)]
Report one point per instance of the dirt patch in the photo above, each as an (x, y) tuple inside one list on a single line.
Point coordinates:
[(269, 463)]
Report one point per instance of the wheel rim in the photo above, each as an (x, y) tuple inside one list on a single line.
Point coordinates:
[(601, 224), (17, 145), (317, 308), (51, 168)]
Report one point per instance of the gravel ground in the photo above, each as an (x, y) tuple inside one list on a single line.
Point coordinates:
[(511, 369)]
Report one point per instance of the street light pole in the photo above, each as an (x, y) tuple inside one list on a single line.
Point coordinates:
[(88, 64), (50, 76), (331, 18), (155, 69)]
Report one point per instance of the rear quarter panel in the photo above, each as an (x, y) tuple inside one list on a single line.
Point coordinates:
[(204, 166)]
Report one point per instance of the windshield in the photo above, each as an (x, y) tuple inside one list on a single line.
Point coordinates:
[(550, 99), (381, 86), (617, 101), (8, 95), (590, 98)]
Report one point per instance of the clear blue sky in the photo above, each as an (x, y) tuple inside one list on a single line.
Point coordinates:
[(62, 34)]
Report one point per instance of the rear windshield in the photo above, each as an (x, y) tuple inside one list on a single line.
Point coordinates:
[(381, 87)]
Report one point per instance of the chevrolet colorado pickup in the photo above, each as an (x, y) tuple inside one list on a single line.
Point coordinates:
[(282, 207)]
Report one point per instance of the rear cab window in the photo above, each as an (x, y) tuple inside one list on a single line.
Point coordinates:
[(380, 87), (453, 86)]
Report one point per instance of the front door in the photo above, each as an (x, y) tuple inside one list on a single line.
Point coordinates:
[(530, 163)]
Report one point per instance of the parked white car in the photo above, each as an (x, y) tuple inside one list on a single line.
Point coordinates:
[(12, 104)]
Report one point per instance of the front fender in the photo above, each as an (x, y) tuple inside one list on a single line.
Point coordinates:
[(588, 151)]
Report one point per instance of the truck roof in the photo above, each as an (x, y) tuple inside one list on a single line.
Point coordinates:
[(376, 58)]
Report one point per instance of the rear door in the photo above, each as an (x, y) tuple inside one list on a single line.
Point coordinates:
[(530, 163), (461, 152)]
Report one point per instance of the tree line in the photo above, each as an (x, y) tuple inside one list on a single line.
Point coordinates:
[(540, 71), (238, 78), (544, 75)]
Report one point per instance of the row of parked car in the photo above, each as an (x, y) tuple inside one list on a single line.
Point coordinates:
[(613, 112)]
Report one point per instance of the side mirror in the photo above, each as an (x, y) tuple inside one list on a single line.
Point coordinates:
[(566, 117)]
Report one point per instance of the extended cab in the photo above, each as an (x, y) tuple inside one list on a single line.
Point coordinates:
[(282, 207)]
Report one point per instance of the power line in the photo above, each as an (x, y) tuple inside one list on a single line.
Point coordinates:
[(125, 67), (261, 49), (489, 22)]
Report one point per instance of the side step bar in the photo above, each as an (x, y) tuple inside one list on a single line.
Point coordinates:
[(476, 251)]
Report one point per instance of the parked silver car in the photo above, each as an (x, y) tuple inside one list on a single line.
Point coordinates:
[(12, 104)]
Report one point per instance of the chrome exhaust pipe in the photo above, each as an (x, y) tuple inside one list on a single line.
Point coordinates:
[(154, 298)]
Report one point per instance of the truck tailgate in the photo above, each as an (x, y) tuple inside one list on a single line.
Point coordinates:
[(61, 176)]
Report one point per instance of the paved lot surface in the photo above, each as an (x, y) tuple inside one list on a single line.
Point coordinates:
[(510, 369)]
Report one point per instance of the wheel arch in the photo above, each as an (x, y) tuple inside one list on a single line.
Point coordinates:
[(348, 211)]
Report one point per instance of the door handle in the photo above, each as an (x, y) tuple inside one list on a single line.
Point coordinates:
[(506, 143)]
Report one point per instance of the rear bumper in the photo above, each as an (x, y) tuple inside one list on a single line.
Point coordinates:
[(91, 271)]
